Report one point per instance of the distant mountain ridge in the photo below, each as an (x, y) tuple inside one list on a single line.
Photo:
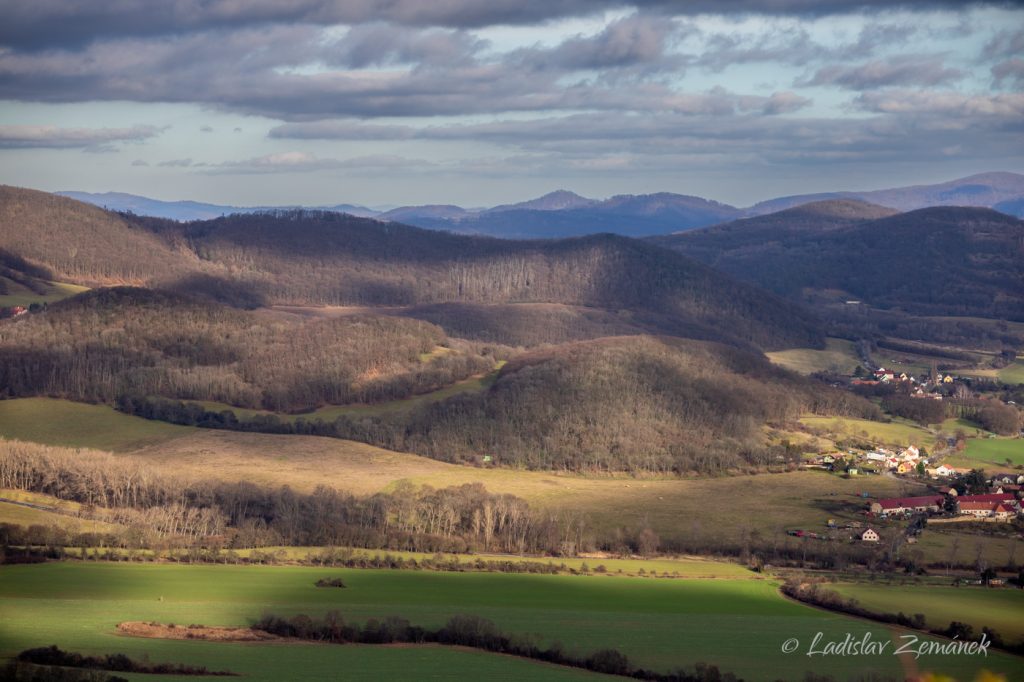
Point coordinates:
[(187, 210), (566, 214)]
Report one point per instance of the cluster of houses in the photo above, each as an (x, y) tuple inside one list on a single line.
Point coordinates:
[(1004, 505), (13, 311), (904, 461), (917, 387)]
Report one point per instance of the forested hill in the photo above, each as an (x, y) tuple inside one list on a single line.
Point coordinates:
[(314, 258), (933, 261), (81, 243)]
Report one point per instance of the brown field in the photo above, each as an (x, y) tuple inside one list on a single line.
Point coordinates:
[(767, 502)]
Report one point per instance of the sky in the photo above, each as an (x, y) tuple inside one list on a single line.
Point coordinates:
[(483, 102)]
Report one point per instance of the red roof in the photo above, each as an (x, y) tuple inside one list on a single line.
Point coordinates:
[(977, 506), (902, 502), (990, 497), (1004, 508)]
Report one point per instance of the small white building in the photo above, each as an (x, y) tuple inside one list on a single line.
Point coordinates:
[(869, 536)]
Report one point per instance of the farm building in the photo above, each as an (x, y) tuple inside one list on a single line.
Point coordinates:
[(907, 505), (870, 535)]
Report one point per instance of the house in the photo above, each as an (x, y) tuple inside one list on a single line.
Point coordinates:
[(981, 510), (1003, 512), (875, 457), (869, 536), (948, 379), (948, 491), (905, 468), (990, 498), (1006, 477), (911, 453), (907, 505)]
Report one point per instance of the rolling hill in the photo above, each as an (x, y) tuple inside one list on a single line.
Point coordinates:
[(933, 261), (327, 258)]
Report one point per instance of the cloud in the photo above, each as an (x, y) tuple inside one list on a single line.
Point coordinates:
[(36, 24), (920, 70), (140, 163), (957, 107), (53, 137), (176, 163), (206, 129), (1010, 72), (305, 162)]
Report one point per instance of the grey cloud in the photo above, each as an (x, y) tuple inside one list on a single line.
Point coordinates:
[(380, 44), (1011, 72), (636, 40), (176, 163), (305, 162), (956, 109), (205, 129), (139, 163), (36, 24), (95, 139), (1009, 43), (902, 70)]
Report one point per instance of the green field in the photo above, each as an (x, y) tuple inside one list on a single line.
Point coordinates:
[(20, 295), (897, 432), (999, 609), (839, 356), (738, 624), (996, 451), (61, 422), (332, 412)]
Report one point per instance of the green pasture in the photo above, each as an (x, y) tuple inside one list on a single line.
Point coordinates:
[(1000, 609), (839, 355), (897, 432), (18, 294), (739, 625), (70, 424), (996, 451)]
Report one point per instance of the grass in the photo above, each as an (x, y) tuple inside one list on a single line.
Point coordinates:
[(1011, 374), (996, 451), (999, 609), (26, 516), (20, 295), (839, 356), (736, 624), (61, 422), (898, 432), (332, 412)]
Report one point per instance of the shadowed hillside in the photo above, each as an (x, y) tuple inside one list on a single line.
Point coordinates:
[(324, 258), (108, 343), (934, 261), (636, 404)]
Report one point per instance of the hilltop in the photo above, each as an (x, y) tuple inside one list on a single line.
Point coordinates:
[(932, 261)]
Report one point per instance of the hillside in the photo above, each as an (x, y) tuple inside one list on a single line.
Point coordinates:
[(79, 243), (934, 261), (109, 343), (640, 404), (326, 258), (1002, 191)]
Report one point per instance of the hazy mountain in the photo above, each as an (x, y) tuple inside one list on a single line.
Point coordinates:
[(186, 210), (564, 214), (559, 200), (932, 261), (989, 190)]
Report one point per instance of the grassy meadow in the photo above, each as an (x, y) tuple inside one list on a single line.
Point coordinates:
[(979, 607), (996, 451), (18, 294), (898, 432), (736, 624), (70, 424), (839, 355)]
